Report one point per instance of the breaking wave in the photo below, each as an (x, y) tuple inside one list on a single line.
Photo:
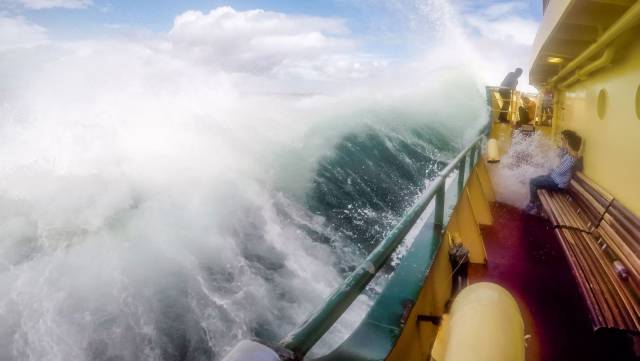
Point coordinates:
[(156, 209)]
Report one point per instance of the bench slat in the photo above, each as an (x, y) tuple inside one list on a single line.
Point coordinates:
[(622, 250), (547, 205), (593, 188), (613, 301), (592, 287), (572, 216), (625, 223), (594, 310), (563, 213), (594, 208), (621, 298)]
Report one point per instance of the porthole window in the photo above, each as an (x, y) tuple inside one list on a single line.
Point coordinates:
[(602, 103), (638, 102)]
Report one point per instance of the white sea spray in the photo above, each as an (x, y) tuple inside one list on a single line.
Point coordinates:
[(152, 196), (528, 156)]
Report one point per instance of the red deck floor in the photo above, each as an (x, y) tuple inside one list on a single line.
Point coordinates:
[(525, 257)]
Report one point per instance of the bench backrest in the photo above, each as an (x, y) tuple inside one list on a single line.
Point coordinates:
[(591, 198), (620, 232), (615, 228)]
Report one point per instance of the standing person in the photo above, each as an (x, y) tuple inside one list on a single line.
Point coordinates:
[(508, 85), (560, 176)]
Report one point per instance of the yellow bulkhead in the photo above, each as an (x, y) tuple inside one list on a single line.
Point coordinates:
[(596, 86), (603, 110), (472, 210)]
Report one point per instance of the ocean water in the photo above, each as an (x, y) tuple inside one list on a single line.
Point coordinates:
[(155, 208)]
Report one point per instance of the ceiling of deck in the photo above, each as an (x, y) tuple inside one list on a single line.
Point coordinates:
[(580, 25)]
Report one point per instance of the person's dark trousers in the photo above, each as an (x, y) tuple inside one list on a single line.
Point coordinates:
[(505, 94), (541, 182)]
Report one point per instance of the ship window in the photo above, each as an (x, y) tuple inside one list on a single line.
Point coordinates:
[(602, 103), (638, 102)]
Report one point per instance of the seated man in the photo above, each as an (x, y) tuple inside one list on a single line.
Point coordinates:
[(560, 176)]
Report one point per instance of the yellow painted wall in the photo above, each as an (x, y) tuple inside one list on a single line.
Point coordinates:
[(417, 338), (612, 144)]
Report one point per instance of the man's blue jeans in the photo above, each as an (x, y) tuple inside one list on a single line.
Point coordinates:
[(541, 182)]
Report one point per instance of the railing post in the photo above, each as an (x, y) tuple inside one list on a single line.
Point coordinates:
[(461, 168), (472, 158), (439, 207)]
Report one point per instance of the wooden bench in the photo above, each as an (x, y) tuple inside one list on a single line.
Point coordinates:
[(581, 207), (601, 240)]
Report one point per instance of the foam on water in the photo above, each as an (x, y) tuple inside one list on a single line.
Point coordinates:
[(153, 207)]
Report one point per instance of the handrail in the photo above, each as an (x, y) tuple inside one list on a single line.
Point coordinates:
[(513, 93), (601, 62), (628, 20), (302, 339)]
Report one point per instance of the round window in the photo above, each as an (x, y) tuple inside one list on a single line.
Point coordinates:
[(602, 103), (638, 102)]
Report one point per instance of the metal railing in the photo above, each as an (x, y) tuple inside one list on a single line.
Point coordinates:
[(510, 100), (508, 111), (302, 339)]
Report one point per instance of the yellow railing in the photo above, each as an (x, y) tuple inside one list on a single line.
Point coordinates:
[(505, 107)]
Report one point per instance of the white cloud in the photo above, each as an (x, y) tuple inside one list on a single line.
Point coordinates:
[(509, 28), (501, 21), (291, 53), (49, 4), (18, 32), (502, 33), (259, 41), (504, 8)]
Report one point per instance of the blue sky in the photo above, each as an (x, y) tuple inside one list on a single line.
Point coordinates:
[(100, 18), (159, 14), (502, 31), (72, 19)]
